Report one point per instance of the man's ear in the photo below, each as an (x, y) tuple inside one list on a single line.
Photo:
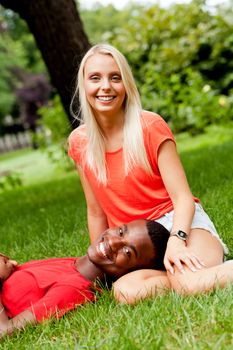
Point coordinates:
[(4, 256)]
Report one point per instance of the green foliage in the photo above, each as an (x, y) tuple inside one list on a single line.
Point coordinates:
[(54, 120), (17, 30), (55, 131), (101, 21), (181, 56), (17, 50), (187, 101), (182, 59), (11, 56), (10, 181), (215, 55)]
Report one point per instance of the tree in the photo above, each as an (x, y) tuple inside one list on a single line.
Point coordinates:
[(59, 34)]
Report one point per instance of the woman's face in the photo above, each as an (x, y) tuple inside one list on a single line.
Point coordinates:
[(103, 85)]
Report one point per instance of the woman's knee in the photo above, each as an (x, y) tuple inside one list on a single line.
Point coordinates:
[(206, 247), (209, 250)]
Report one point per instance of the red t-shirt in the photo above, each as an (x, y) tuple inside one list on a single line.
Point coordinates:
[(137, 195), (46, 287)]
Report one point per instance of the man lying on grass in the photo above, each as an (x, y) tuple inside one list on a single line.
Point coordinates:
[(41, 289)]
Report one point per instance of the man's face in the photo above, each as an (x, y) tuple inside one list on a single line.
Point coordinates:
[(6, 267), (122, 249)]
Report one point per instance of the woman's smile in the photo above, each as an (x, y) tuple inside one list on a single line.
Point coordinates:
[(105, 98), (103, 85)]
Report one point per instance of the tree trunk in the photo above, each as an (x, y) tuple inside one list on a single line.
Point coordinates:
[(59, 33)]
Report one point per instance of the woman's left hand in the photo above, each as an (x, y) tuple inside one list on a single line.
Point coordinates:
[(178, 255)]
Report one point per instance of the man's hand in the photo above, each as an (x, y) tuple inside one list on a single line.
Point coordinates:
[(8, 326)]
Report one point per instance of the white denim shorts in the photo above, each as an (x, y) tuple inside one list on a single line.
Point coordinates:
[(200, 220)]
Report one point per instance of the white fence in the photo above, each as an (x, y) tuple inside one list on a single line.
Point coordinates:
[(11, 142)]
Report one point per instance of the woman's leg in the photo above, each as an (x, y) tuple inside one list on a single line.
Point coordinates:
[(215, 273), (140, 284)]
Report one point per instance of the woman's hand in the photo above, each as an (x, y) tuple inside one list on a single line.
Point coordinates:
[(178, 255)]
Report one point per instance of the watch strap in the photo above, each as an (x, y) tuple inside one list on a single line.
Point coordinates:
[(180, 234)]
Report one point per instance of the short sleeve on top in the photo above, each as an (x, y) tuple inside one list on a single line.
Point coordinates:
[(62, 297), (77, 142), (156, 131)]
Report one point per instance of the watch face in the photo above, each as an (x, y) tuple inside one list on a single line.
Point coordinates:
[(182, 234)]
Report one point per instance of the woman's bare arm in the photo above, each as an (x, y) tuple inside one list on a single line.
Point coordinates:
[(97, 220), (176, 183)]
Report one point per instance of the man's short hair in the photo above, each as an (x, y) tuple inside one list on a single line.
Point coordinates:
[(159, 236)]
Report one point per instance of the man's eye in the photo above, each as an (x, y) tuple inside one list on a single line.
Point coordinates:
[(127, 251), (121, 231)]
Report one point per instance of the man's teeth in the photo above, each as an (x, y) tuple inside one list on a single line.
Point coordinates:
[(102, 249), (105, 98)]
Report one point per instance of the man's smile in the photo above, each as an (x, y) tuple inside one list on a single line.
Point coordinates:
[(104, 250)]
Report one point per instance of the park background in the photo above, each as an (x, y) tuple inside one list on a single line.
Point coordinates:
[(182, 59)]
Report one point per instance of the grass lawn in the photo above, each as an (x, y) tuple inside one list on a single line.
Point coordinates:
[(32, 166), (47, 217)]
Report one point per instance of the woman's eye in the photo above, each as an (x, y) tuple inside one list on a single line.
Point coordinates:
[(94, 77), (116, 78), (121, 231)]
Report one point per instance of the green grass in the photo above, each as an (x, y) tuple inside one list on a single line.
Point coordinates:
[(47, 217), (32, 166)]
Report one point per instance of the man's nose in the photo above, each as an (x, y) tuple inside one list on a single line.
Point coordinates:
[(116, 243), (13, 262)]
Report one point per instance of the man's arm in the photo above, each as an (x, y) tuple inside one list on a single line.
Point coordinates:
[(8, 326)]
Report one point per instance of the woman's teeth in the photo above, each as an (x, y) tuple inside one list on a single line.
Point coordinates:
[(105, 98)]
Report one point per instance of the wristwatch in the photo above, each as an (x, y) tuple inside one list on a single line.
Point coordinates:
[(180, 234)]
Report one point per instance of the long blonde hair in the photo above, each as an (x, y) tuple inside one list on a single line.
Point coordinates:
[(133, 146)]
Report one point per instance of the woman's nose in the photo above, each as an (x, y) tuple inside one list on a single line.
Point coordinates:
[(106, 84)]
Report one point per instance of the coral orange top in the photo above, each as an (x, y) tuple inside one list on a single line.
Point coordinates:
[(137, 195)]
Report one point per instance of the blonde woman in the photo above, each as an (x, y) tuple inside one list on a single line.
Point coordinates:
[(129, 169)]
